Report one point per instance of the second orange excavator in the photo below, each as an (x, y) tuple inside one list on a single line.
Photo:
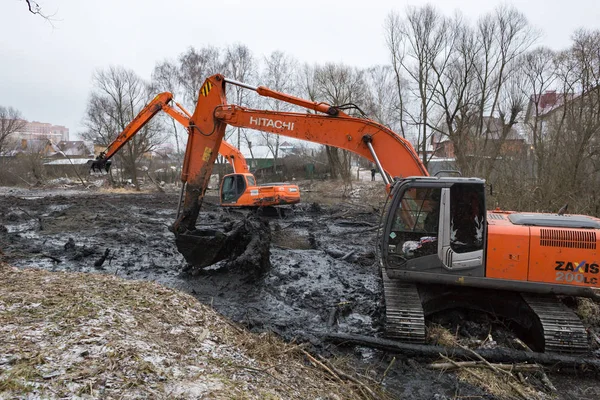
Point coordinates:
[(238, 189), (241, 190)]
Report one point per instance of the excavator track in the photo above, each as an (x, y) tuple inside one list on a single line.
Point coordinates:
[(562, 328), (405, 319)]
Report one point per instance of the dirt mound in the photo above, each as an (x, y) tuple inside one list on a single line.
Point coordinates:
[(98, 336)]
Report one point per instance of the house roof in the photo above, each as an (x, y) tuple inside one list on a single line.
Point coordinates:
[(546, 103), (79, 148), (32, 146), (263, 152)]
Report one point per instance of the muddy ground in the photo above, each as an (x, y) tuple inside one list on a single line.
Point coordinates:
[(322, 256)]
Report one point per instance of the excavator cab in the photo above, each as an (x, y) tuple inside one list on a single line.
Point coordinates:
[(233, 187), (435, 226)]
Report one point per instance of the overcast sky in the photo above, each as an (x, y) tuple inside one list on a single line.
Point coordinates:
[(45, 70)]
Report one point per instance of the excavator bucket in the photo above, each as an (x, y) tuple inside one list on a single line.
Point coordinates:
[(98, 165), (243, 244)]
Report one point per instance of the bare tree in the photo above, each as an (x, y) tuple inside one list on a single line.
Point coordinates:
[(564, 124), (462, 80), (118, 96), (538, 69), (577, 133), (194, 67), (341, 86), (382, 106), (279, 74), (240, 65), (504, 36), (11, 121), (394, 41), (165, 78), (456, 94), (420, 46)]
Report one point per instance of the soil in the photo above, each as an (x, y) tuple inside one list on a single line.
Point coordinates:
[(322, 276)]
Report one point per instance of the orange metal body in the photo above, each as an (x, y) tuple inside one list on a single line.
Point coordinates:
[(507, 255), (234, 157), (270, 194), (541, 254)]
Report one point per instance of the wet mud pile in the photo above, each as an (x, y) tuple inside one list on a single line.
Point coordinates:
[(321, 273), (244, 243)]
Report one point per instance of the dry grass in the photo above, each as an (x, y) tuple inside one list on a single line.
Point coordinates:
[(589, 312), (437, 334), (125, 190), (98, 336), (330, 192), (499, 386)]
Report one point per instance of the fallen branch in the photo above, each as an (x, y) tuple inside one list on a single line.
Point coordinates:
[(478, 364), (486, 362), (387, 370), (498, 371), (320, 364), (493, 355), (160, 189), (512, 385), (350, 378)]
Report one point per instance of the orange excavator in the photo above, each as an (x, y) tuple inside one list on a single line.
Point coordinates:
[(238, 189), (241, 190), (440, 247)]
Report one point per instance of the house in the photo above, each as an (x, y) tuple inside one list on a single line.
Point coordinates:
[(514, 144), (259, 157), (42, 147), (565, 111), (77, 148), (541, 109)]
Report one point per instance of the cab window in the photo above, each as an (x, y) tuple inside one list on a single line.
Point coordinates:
[(467, 217), (233, 188), (415, 227)]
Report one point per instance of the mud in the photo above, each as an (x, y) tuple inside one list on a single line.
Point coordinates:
[(322, 275), (243, 243)]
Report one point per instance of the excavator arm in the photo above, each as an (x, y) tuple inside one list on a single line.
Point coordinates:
[(234, 157), (393, 154), (329, 126), (160, 102), (360, 136)]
